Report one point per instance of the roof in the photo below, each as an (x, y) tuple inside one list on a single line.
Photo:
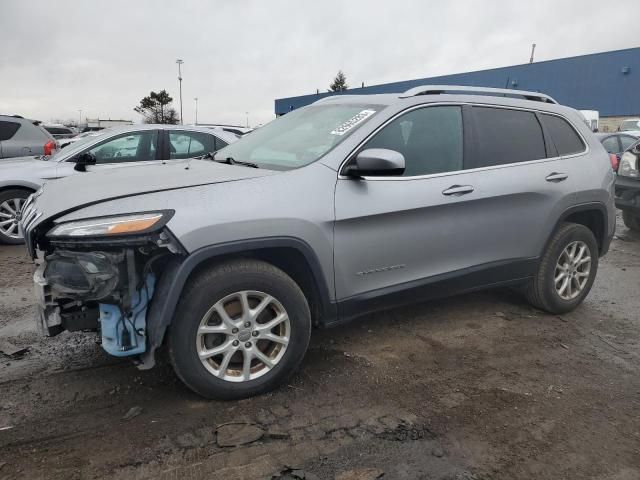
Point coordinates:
[(607, 82)]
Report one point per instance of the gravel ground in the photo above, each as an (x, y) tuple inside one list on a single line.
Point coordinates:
[(480, 386)]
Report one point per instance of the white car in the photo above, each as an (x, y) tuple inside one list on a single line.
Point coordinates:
[(117, 147), (631, 126)]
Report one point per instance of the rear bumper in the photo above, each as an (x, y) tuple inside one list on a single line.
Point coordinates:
[(627, 194)]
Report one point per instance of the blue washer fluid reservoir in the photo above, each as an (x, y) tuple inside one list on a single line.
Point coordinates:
[(112, 323)]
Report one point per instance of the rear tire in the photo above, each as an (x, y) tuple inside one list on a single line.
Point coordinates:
[(218, 312), (631, 220), (561, 283), (11, 202)]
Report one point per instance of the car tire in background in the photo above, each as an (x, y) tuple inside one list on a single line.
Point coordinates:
[(631, 220), (11, 202), (234, 311), (566, 271)]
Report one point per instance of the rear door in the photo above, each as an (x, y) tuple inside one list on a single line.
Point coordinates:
[(8, 130)]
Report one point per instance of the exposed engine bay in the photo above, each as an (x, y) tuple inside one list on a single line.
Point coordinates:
[(104, 286)]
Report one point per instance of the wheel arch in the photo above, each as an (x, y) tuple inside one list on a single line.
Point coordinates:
[(292, 255), (594, 216)]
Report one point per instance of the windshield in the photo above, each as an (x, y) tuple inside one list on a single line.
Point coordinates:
[(77, 146), (300, 137), (628, 125)]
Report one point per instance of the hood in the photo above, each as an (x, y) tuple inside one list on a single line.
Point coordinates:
[(83, 189)]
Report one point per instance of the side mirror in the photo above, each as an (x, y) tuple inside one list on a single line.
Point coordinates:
[(83, 160), (376, 162)]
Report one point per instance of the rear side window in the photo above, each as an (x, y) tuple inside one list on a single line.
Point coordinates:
[(506, 136), (610, 144), (627, 141), (564, 136), (8, 130)]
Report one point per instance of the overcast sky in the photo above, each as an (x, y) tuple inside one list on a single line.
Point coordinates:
[(57, 57)]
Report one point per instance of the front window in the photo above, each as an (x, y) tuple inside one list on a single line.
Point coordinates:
[(130, 147), (300, 137)]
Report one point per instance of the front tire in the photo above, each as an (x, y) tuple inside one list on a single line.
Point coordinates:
[(631, 220), (241, 328), (566, 271)]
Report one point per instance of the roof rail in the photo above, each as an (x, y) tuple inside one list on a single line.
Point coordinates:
[(495, 92)]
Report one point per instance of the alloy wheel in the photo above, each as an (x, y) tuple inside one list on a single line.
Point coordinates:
[(243, 336), (10, 214), (572, 270)]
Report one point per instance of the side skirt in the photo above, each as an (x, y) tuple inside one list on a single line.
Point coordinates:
[(495, 274)]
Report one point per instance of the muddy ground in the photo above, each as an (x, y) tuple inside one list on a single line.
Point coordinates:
[(479, 386)]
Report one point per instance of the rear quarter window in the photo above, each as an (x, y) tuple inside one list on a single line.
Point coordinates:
[(8, 130), (564, 136)]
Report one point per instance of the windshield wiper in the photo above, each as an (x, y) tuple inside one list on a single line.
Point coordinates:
[(232, 161)]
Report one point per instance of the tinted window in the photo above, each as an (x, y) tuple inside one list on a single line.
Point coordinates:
[(58, 130), (506, 136), (564, 136), (429, 138), (626, 141), (190, 144), (131, 147), (610, 144), (220, 143), (8, 130)]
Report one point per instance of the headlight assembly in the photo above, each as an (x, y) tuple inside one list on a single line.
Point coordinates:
[(628, 165), (135, 223)]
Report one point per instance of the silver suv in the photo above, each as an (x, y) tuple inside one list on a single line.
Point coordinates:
[(347, 206), (20, 137)]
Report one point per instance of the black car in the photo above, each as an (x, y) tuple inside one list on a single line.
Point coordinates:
[(628, 187)]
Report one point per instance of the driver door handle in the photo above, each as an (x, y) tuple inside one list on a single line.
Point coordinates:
[(458, 190), (556, 177)]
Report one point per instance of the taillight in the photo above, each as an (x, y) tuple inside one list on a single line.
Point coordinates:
[(614, 161), (49, 147)]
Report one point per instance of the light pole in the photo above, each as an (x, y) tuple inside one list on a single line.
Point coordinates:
[(196, 99), (80, 117), (180, 62)]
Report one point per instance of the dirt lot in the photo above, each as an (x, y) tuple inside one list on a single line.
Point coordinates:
[(476, 387)]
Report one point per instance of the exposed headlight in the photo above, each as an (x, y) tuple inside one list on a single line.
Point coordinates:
[(111, 226), (628, 165)]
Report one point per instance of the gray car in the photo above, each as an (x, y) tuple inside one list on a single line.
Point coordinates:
[(105, 150), (347, 206), (21, 136)]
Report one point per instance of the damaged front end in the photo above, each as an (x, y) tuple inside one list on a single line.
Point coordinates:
[(100, 275)]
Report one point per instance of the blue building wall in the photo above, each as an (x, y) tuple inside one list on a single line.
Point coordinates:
[(588, 82)]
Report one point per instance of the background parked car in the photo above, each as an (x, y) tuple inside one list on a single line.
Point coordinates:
[(60, 131), (20, 137), (631, 125), (110, 148), (628, 187), (616, 143)]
